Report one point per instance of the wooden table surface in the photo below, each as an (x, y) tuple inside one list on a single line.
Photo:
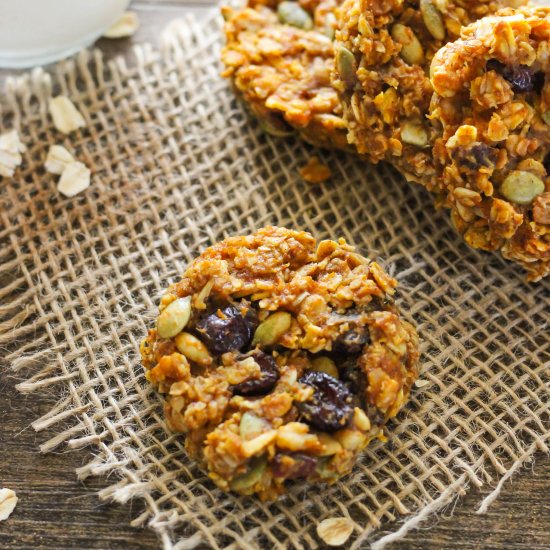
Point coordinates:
[(55, 511)]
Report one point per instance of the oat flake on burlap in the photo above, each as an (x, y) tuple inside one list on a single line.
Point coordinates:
[(177, 165)]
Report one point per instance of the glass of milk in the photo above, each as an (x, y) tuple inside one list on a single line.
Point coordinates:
[(35, 32)]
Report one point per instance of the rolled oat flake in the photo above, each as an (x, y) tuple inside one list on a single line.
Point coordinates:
[(335, 531)]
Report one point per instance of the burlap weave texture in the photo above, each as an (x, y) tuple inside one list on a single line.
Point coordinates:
[(177, 165)]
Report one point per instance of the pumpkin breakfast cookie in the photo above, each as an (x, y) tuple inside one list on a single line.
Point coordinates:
[(383, 50), (492, 101), (280, 358), (279, 56)]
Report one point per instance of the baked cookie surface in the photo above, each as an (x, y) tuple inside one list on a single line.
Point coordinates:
[(383, 51), (492, 100), (279, 56), (280, 358)]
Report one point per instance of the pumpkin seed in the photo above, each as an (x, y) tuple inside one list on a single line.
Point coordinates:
[(546, 117), (330, 24), (432, 19), (324, 469), (411, 49), (275, 126), (325, 364), (521, 187), (192, 348), (255, 471), (174, 317), (251, 425), (270, 330), (291, 13), (414, 133), (345, 65)]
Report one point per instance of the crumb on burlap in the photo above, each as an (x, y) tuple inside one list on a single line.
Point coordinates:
[(314, 171)]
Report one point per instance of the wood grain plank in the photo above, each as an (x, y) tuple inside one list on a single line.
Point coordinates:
[(57, 511)]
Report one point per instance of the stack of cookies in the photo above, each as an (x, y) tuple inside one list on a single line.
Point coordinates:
[(455, 94)]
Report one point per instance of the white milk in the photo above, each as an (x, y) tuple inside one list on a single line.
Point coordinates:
[(34, 32)]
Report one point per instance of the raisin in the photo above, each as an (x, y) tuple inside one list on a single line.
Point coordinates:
[(293, 465), (538, 81), (520, 77), (268, 378), (330, 407), (375, 416), (546, 164), (479, 155), (352, 375), (229, 332), (352, 341)]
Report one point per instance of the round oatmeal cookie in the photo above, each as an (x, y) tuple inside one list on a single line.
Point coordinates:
[(383, 50), (492, 99), (280, 359), (279, 56)]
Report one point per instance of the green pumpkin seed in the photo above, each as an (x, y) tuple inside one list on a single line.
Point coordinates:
[(275, 126), (193, 348), (546, 117), (326, 365), (411, 49), (432, 19), (174, 317), (270, 330), (324, 470), (291, 13), (345, 65), (247, 480), (330, 24), (521, 187), (251, 426), (414, 134)]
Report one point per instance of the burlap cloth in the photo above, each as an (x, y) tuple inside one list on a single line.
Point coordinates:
[(177, 165)]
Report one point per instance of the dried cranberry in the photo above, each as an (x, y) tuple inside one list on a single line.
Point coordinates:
[(268, 378), (299, 466), (352, 341), (330, 407), (546, 164), (520, 77), (229, 332)]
